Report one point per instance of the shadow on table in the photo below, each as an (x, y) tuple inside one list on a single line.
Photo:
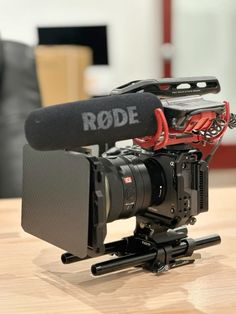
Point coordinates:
[(133, 290)]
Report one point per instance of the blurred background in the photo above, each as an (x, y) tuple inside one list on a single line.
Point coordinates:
[(57, 51)]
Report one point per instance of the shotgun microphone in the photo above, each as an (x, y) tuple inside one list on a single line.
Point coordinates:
[(94, 121)]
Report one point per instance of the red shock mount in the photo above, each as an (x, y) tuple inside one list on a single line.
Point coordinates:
[(193, 131)]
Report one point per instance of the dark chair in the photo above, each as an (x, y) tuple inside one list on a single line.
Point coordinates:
[(19, 94), (1, 63)]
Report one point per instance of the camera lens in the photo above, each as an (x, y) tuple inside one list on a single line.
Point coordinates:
[(128, 186), (132, 184)]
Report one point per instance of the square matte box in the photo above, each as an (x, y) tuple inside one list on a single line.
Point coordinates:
[(55, 204)]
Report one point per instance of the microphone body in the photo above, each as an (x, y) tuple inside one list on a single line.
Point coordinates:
[(94, 121)]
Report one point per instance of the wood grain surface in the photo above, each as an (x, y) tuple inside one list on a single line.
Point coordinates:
[(33, 280)]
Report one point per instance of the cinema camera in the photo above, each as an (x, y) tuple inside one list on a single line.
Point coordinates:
[(162, 180)]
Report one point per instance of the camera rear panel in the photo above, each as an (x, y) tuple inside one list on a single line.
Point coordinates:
[(55, 204)]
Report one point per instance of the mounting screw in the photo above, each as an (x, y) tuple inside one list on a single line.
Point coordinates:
[(166, 267), (142, 225), (172, 210), (192, 220), (172, 164)]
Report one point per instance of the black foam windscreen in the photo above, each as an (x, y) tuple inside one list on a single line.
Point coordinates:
[(94, 121)]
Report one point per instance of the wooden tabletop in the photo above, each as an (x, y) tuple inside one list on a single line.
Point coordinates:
[(33, 280)]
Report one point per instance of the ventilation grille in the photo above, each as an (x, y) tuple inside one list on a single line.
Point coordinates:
[(203, 190)]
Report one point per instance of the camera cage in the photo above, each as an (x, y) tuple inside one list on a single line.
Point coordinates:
[(152, 247)]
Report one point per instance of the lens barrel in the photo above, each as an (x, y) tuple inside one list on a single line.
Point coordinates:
[(129, 187)]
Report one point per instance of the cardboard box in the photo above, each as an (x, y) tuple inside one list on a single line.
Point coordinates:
[(61, 72)]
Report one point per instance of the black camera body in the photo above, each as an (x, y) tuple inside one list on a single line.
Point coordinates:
[(169, 187), (162, 180)]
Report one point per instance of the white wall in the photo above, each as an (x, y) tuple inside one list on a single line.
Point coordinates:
[(205, 44), (134, 29)]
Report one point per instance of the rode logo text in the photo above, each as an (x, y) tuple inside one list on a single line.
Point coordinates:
[(106, 119)]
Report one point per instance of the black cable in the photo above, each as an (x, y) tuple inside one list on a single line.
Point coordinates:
[(232, 121), (215, 128)]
